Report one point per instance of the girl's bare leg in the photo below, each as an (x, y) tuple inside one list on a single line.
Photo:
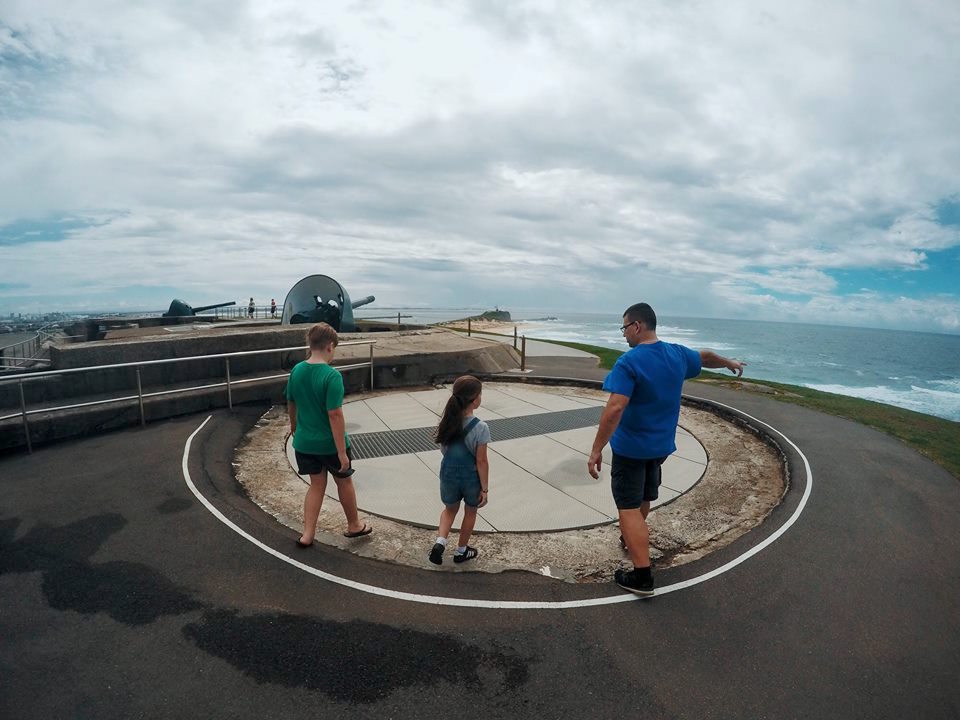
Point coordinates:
[(447, 517), (348, 499), (466, 527), (312, 504)]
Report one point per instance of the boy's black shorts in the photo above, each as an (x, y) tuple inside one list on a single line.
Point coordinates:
[(308, 464), (634, 482)]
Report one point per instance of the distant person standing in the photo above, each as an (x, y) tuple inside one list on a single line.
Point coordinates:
[(251, 308), (640, 423), (320, 442), (273, 308)]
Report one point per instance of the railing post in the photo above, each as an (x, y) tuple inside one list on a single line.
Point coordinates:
[(468, 327), (371, 366), (229, 389), (23, 412), (523, 353), (398, 330), (143, 417), (514, 337)]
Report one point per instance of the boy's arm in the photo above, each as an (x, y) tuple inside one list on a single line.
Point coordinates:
[(292, 412), (338, 427)]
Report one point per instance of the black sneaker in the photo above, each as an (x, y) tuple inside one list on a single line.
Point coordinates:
[(469, 554), (633, 582), (436, 554)]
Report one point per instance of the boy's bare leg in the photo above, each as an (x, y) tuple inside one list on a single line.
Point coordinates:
[(447, 517), (466, 527), (633, 527), (645, 508), (348, 499), (312, 504)]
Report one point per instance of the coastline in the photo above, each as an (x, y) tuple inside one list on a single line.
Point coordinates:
[(492, 327), (932, 436)]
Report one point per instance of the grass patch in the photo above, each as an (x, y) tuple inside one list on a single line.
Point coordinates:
[(934, 437), (608, 356)]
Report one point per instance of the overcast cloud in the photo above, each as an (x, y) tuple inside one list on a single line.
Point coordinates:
[(793, 162)]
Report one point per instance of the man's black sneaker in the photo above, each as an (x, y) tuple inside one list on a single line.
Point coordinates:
[(436, 554), (632, 581)]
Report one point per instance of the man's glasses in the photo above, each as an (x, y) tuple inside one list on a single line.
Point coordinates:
[(623, 328)]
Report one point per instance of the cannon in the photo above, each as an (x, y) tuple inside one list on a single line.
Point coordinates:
[(178, 308), (320, 298)]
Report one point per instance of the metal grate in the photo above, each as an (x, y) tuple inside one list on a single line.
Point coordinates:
[(414, 440)]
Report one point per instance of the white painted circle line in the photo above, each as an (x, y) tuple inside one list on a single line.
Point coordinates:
[(504, 604)]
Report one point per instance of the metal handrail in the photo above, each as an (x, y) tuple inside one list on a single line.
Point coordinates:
[(163, 361), (36, 343), (139, 397)]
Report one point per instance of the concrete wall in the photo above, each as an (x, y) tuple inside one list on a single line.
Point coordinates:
[(395, 366)]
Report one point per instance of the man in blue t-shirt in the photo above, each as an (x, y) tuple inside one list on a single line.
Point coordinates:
[(640, 423)]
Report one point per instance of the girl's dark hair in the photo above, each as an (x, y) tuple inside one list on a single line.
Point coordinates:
[(465, 391)]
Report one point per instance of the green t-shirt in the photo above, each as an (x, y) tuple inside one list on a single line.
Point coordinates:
[(316, 388)]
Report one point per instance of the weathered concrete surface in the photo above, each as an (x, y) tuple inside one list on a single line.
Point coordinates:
[(405, 358), (745, 479)]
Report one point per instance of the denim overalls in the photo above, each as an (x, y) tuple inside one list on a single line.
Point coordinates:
[(459, 479)]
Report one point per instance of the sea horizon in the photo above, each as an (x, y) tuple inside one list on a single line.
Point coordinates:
[(912, 369)]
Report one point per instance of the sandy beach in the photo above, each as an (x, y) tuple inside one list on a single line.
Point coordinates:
[(494, 327)]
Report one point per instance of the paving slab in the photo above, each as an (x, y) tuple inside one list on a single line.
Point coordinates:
[(689, 448), (508, 405), (400, 411), (563, 468), (542, 400), (360, 418), (680, 474), (538, 483)]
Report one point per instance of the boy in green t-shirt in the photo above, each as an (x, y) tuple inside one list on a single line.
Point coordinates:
[(320, 442)]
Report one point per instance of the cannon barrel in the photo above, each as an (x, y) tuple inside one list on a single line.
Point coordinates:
[(215, 305), (178, 308), (362, 301)]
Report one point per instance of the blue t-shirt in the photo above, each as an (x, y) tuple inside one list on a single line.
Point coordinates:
[(652, 377)]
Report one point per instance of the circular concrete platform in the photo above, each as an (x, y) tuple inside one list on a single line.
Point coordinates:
[(538, 458)]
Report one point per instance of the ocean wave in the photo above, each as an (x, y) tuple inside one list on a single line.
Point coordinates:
[(931, 402), (953, 383), (699, 344), (670, 329)]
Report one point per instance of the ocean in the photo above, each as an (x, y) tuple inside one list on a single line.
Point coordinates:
[(913, 370)]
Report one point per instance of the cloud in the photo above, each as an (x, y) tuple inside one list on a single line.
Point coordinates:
[(558, 155)]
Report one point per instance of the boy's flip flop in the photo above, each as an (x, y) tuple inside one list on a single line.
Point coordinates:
[(365, 530)]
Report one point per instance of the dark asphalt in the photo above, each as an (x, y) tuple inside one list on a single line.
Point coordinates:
[(122, 596)]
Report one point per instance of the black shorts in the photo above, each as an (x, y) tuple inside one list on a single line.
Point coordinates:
[(309, 464), (634, 481)]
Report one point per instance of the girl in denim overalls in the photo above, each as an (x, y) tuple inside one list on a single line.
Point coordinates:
[(464, 472)]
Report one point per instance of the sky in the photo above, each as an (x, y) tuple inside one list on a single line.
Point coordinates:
[(771, 161)]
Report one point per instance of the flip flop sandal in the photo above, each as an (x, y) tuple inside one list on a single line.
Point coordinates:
[(366, 530), (304, 545)]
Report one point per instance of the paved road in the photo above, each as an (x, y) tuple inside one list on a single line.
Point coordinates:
[(122, 596)]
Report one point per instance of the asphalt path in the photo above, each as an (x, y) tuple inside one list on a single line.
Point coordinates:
[(121, 595)]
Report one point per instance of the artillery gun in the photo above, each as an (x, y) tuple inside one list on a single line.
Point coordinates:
[(178, 308), (320, 298)]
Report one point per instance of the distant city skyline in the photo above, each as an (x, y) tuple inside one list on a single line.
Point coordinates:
[(794, 162)]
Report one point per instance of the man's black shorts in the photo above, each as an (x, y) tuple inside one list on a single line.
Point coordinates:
[(308, 464), (634, 481)]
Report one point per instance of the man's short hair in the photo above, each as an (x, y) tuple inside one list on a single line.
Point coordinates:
[(321, 335), (642, 312)]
